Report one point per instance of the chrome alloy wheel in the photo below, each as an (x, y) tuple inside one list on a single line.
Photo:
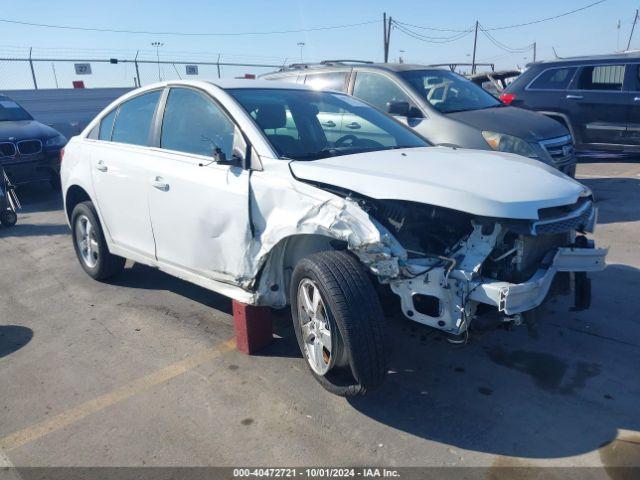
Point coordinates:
[(87, 241), (319, 345)]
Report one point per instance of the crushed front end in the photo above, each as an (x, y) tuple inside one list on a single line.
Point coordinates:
[(460, 266)]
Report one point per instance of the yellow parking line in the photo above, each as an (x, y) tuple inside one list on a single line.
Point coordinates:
[(64, 419)]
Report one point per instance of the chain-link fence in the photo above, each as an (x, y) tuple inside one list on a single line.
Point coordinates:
[(20, 71)]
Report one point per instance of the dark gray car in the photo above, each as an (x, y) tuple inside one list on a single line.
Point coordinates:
[(444, 107), (597, 98), (29, 150)]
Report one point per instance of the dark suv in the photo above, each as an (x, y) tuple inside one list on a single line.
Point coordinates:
[(597, 98), (442, 106), (29, 150)]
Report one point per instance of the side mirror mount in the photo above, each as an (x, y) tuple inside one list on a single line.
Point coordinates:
[(221, 158), (398, 108)]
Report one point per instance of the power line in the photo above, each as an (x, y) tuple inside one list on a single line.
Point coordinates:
[(428, 39), (505, 27), (185, 34), (430, 28), (533, 22), (503, 46)]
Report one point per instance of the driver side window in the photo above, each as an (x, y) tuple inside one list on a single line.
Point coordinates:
[(193, 123), (378, 90)]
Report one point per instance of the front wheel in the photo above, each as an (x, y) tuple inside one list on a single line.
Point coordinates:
[(339, 323)]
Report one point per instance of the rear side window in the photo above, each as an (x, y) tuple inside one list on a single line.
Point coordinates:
[(327, 81), (133, 121), (378, 90), (553, 79), (601, 77), (106, 126), (193, 123)]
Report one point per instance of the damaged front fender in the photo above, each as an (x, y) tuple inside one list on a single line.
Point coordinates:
[(314, 220)]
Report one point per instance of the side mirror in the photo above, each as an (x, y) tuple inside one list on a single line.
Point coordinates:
[(398, 108), (220, 157)]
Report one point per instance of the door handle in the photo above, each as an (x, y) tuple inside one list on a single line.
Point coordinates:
[(160, 184), (574, 97), (637, 99), (329, 124), (353, 125), (101, 166)]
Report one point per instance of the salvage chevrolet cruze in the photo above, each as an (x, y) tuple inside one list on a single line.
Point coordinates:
[(259, 191)]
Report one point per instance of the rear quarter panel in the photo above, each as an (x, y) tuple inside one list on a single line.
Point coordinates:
[(76, 168)]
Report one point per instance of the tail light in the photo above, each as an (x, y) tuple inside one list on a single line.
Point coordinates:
[(61, 154), (507, 98)]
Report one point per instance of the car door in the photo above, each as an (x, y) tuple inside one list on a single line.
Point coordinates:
[(598, 104), (331, 120), (120, 162), (199, 208), (380, 90), (633, 106)]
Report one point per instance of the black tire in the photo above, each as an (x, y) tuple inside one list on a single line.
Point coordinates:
[(106, 264), (8, 218), (354, 312)]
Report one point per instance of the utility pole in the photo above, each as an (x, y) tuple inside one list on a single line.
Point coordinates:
[(475, 45), (384, 37), (386, 31), (301, 45), (635, 19), (535, 48)]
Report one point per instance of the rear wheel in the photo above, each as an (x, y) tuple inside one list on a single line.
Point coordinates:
[(90, 245), (339, 323)]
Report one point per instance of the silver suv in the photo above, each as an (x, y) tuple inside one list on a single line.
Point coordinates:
[(442, 106)]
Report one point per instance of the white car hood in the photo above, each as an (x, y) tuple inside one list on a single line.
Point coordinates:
[(484, 183)]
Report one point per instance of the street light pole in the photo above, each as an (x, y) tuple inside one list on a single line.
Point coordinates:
[(158, 45), (301, 45)]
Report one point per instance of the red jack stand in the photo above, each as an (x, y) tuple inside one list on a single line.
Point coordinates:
[(253, 326)]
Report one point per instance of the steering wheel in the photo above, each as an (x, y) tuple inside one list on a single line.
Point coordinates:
[(352, 139)]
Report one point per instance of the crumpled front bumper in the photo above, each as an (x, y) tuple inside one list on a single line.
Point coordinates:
[(457, 294), (512, 298)]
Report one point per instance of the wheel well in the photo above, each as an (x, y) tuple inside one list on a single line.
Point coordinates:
[(275, 274), (75, 195)]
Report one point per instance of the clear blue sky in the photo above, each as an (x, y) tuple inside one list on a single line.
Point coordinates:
[(591, 31)]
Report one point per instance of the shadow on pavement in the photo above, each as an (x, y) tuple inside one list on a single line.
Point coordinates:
[(13, 338), (148, 278), (558, 388), (30, 230)]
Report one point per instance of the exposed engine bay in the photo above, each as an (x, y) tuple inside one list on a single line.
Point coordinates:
[(457, 262)]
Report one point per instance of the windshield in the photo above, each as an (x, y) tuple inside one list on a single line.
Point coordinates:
[(449, 92), (10, 111), (309, 125)]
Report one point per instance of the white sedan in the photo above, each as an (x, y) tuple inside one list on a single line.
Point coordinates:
[(274, 194)]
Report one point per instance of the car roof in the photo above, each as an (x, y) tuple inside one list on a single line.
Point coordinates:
[(224, 85), (262, 84), (297, 68), (609, 58)]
